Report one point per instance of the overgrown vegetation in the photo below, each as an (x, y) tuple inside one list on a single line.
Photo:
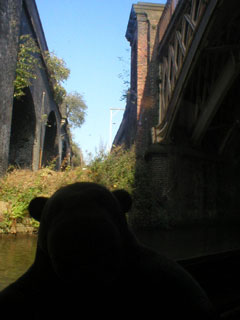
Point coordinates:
[(27, 62), (72, 105), (74, 109), (59, 73), (115, 170), (18, 187)]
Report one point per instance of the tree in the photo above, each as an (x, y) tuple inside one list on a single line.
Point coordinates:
[(72, 105), (124, 76), (77, 157), (27, 61), (74, 109), (58, 72)]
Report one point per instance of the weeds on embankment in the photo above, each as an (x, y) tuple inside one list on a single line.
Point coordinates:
[(19, 186)]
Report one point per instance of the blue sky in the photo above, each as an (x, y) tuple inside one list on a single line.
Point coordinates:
[(90, 36)]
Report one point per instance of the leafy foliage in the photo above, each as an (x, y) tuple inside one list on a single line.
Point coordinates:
[(124, 76), (27, 61), (18, 187), (74, 108), (77, 158), (59, 73), (73, 105), (115, 170)]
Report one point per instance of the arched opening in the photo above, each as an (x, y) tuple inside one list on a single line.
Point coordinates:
[(50, 146), (64, 150), (64, 159), (22, 131)]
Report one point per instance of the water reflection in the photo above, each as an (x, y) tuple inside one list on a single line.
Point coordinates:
[(16, 255), (193, 241)]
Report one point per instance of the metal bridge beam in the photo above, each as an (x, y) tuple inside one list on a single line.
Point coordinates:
[(220, 89), (171, 103)]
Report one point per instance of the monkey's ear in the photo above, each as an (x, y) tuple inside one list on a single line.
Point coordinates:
[(36, 206), (124, 199)]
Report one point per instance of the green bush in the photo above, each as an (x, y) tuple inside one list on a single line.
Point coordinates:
[(114, 170)]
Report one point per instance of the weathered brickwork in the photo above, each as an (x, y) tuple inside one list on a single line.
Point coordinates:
[(10, 16), (32, 131), (141, 111), (193, 175)]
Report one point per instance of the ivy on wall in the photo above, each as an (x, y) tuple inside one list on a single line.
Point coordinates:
[(27, 61)]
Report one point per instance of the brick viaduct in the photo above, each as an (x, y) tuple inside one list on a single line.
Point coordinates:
[(182, 109), (32, 130)]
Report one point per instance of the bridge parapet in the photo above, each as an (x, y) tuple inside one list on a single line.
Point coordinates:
[(175, 46), (193, 160), (166, 17)]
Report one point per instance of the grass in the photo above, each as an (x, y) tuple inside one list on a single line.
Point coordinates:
[(19, 186)]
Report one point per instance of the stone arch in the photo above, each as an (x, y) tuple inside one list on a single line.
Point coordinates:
[(50, 146), (64, 150), (64, 155), (23, 130)]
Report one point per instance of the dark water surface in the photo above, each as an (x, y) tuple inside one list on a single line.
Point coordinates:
[(17, 252), (193, 241), (16, 255)]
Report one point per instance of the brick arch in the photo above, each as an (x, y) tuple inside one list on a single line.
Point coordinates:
[(50, 146), (23, 131)]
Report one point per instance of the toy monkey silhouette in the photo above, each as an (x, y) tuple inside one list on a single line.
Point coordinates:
[(88, 263)]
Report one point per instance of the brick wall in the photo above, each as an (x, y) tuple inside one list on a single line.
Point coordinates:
[(22, 129), (179, 175), (181, 183), (142, 109), (184, 183), (10, 14)]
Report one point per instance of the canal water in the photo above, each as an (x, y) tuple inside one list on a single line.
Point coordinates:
[(17, 252), (193, 241), (16, 255)]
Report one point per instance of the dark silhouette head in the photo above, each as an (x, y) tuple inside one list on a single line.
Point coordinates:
[(83, 231)]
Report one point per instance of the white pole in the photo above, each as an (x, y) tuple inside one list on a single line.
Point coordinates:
[(111, 123), (110, 131)]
